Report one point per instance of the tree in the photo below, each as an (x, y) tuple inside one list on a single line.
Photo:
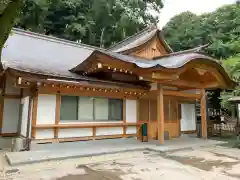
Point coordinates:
[(220, 29), (232, 66), (9, 10), (95, 22)]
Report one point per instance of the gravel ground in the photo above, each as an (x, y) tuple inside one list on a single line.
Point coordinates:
[(189, 164)]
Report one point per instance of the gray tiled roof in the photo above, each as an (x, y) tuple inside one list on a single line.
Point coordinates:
[(30, 52), (139, 39), (174, 61)]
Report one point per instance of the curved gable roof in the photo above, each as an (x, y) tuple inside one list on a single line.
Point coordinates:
[(170, 62), (140, 38)]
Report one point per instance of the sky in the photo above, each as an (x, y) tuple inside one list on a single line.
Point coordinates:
[(174, 7)]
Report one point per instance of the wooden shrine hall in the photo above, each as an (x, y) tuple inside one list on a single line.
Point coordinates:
[(71, 92)]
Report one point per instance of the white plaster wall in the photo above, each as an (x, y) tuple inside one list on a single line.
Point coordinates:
[(11, 115), (10, 89), (24, 118), (188, 119), (131, 111), (109, 131), (153, 86), (67, 133), (44, 134), (192, 91), (131, 130), (170, 88), (46, 109)]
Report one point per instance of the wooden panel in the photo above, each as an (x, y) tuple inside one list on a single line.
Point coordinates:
[(172, 127), (143, 110), (152, 125), (153, 110), (153, 48), (167, 109), (152, 130)]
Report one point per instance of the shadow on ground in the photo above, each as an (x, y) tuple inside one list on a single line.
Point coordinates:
[(94, 175)]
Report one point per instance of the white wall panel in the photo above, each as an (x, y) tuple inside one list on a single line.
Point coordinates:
[(44, 134), (188, 120), (131, 111), (46, 109), (131, 130), (11, 115), (24, 118), (109, 131), (80, 132)]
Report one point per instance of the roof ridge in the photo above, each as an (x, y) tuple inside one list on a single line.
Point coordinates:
[(52, 38), (196, 49), (147, 28)]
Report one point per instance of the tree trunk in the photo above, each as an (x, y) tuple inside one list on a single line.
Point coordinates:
[(7, 19), (101, 38)]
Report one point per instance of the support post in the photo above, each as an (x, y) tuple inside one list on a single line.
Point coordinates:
[(160, 115), (57, 114), (203, 114), (34, 112), (124, 117), (139, 132)]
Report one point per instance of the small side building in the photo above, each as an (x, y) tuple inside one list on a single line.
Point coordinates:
[(53, 90)]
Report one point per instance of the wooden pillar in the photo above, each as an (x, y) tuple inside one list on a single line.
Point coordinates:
[(160, 115), (57, 114), (203, 114), (2, 101), (139, 133), (124, 117), (34, 112)]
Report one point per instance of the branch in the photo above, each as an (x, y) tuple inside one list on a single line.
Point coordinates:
[(7, 19)]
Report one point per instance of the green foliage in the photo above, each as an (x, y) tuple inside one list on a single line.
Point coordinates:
[(9, 10), (220, 29), (95, 22), (232, 66)]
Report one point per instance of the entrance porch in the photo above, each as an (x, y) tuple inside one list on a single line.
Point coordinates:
[(170, 113)]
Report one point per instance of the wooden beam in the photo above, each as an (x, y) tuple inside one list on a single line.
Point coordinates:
[(203, 114), (12, 96), (124, 117), (28, 135), (181, 94), (84, 125), (57, 114), (8, 134), (160, 115), (139, 133), (72, 139), (34, 113), (2, 101), (103, 93)]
